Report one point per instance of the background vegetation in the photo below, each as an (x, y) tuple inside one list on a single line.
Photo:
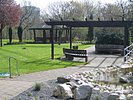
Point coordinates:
[(109, 38)]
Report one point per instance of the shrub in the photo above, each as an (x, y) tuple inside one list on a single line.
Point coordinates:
[(37, 87), (109, 38)]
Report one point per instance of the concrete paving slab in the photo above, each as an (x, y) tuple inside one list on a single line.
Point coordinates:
[(9, 89), (95, 62), (107, 62)]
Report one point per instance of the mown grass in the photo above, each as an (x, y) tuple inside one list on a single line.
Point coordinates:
[(34, 57)]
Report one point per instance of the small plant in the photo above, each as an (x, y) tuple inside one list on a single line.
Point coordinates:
[(128, 98), (97, 98), (19, 98), (29, 94), (125, 87), (35, 98), (37, 87)]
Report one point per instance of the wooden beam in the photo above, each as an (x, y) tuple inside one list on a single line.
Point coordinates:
[(44, 36), (34, 31), (52, 42), (56, 35), (91, 23), (126, 37), (70, 37)]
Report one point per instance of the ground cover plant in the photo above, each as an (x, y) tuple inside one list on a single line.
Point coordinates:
[(34, 57)]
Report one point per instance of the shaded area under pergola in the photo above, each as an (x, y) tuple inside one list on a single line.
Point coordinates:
[(90, 24), (44, 27)]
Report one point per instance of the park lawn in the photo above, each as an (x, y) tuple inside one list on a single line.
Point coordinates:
[(34, 57)]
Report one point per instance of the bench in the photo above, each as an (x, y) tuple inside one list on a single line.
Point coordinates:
[(70, 53)]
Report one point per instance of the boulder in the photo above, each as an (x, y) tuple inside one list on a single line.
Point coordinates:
[(126, 79), (83, 92), (72, 85), (113, 96), (122, 97), (104, 95), (63, 91), (130, 96), (63, 79), (96, 90)]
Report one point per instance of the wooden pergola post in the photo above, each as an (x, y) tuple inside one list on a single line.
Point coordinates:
[(56, 36), (34, 31), (52, 41), (67, 34), (126, 37), (70, 37), (44, 36)]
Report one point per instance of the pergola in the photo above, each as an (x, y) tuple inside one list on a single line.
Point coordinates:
[(90, 24), (44, 27)]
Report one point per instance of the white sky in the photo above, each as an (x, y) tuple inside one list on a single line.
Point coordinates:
[(44, 3)]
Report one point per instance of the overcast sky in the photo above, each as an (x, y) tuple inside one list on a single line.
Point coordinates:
[(45, 3)]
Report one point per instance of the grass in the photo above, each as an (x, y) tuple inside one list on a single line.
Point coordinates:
[(34, 57)]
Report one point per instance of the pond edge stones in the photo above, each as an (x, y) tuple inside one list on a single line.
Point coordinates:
[(83, 86)]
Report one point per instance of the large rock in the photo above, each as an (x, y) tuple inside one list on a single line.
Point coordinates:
[(72, 85), (126, 79), (63, 91), (104, 95), (130, 96), (83, 92), (122, 97), (63, 79), (113, 96)]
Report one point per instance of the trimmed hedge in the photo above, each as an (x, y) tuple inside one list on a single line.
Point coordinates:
[(109, 38)]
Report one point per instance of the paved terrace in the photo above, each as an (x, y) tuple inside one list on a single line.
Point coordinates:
[(10, 88)]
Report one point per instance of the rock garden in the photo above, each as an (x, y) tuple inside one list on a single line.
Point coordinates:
[(98, 84), (110, 83)]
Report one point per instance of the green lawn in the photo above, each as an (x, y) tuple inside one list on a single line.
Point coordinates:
[(34, 57)]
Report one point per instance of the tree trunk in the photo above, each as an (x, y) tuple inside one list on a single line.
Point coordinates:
[(1, 28), (10, 35), (20, 33)]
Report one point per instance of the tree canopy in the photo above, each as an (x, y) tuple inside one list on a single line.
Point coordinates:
[(9, 12)]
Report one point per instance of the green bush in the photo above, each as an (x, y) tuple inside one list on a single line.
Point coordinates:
[(109, 38), (37, 87)]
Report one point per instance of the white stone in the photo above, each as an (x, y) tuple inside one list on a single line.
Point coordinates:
[(105, 94), (57, 92), (113, 96), (63, 91), (130, 96), (83, 92), (122, 97), (72, 84), (96, 90)]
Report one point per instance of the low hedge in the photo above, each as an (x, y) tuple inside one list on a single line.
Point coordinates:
[(109, 38)]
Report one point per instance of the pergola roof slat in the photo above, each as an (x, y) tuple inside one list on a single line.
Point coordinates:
[(91, 23)]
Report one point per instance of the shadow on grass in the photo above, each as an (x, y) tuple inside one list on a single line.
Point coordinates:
[(15, 53), (53, 63)]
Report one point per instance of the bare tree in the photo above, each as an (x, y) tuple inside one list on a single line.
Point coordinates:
[(30, 15), (64, 10)]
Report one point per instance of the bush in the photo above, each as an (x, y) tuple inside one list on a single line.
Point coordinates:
[(109, 38), (37, 87)]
